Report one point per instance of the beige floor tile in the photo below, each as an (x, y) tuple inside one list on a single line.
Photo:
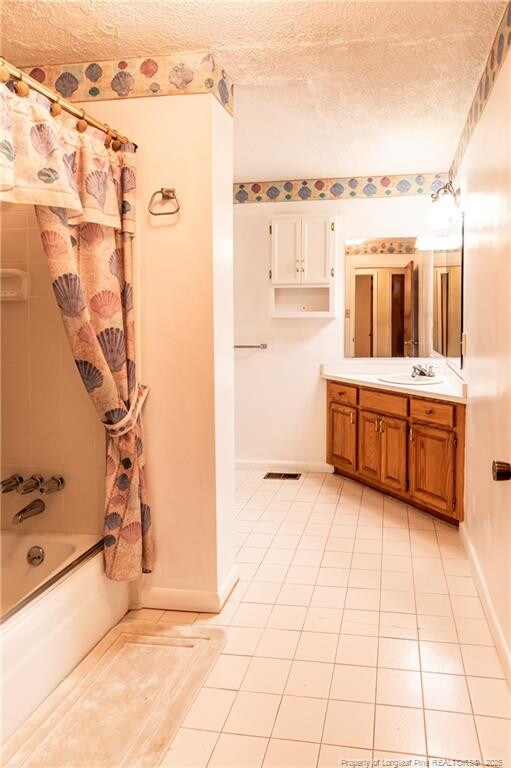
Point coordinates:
[(228, 672), (427, 565), (262, 592), (287, 617), (447, 692), (295, 594), (328, 597), (481, 661), (300, 718), (451, 735), (343, 757), (441, 657), (271, 572), (338, 544), (323, 620), (307, 558), (397, 600), (398, 625), (251, 615), (365, 562), (457, 567), (462, 585), (399, 759), (336, 560), (266, 675), (179, 617), (309, 678), (357, 650), (353, 683), (399, 687), (467, 607), (252, 714), (433, 605), (473, 631), (432, 583), (364, 579), (394, 580), (437, 628), (190, 749), (278, 643), (316, 646), (360, 623), (399, 563), (490, 697), (222, 618), (233, 751), (302, 574), (495, 739), (291, 754), (276, 556), (241, 641), (398, 654), (333, 577), (349, 724), (209, 710), (363, 599), (399, 729)]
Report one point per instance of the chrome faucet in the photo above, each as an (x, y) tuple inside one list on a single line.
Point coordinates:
[(32, 484), (10, 483), (422, 370), (54, 483), (34, 508)]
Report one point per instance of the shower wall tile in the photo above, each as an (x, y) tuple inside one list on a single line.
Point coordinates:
[(47, 421)]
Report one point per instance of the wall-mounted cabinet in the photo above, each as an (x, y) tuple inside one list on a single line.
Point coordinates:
[(302, 269)]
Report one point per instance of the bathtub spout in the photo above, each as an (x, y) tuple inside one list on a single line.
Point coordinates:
[(34, 508)]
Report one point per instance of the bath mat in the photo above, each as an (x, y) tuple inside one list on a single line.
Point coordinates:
[(122, 705)]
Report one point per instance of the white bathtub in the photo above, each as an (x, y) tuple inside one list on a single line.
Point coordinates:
[(51, 628)]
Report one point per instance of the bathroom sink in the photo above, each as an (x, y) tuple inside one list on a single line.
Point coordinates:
[(407, 378)]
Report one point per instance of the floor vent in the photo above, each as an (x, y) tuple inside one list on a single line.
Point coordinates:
[(282, 476)]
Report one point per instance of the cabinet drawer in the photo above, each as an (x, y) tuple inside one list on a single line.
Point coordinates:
[(341, 393), (384, 402), (434, 412)]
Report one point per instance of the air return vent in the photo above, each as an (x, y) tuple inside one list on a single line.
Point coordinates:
[(282, 476)]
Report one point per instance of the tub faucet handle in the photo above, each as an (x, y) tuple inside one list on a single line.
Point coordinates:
[(10, 483), (34, 508), (54, 483), (32, 484)]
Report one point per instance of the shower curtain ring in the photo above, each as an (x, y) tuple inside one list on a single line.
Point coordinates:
[(81, 124), (56, 107)]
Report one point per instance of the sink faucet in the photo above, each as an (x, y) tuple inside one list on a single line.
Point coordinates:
[(422, 370), (34, 508)]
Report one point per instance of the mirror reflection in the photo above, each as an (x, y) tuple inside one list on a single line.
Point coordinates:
[(404, 297)]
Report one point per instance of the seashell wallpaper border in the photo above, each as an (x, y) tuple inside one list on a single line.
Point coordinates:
[(301, 190), (494, 63), (172, 75)]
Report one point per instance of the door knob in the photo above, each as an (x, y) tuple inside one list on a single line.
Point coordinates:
[(501, 470)]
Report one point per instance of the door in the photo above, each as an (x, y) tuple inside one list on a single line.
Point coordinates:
[(286, 237), (368, 445), (408, 317), (364, 315), (343, 437), (317, 249), (393, 452), (431, 467)]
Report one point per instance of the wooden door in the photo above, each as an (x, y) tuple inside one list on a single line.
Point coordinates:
[(431, 467), (393, 452), (286, 238), (317, 249), (364, 315), (369, 445), (408, 320), (343, 437)]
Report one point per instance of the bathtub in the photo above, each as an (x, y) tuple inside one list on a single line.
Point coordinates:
[(52, 615)]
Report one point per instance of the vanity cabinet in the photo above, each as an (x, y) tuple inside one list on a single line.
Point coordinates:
[(408, 446)]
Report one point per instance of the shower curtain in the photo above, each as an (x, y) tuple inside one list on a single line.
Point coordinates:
[(85, 204)]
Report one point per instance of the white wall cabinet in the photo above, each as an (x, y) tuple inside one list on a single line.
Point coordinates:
[(302, 271)]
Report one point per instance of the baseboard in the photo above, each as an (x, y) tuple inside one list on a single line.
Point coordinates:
[(270, 465), (498, 634), (204, 601)]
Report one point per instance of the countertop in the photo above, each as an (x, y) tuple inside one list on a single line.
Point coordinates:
[(452, 388)]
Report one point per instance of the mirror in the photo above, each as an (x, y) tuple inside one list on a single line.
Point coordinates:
[(404, 297)]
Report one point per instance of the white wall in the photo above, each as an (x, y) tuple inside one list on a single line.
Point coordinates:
[(185, 298), (485, 180), (280, 402)]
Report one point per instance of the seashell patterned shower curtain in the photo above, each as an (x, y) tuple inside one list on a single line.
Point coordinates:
[(85, 204)]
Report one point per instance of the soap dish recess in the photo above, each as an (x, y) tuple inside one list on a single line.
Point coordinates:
[(14, 285)]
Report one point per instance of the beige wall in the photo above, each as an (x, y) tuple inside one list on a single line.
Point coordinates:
[(485, 180), (48, 423)]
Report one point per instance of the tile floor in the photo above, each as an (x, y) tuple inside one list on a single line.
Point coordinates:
[(355, 632)]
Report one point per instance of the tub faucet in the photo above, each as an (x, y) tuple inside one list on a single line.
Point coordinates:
[(34, 508)]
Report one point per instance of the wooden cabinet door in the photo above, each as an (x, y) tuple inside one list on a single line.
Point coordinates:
[(393, 452), (286, 249), (343, 437), (317, 249), (368, 445), (431, 463)]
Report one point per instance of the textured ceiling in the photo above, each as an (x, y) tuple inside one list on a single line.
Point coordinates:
[(323, 87)]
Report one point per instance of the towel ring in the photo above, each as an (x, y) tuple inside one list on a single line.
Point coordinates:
[(166, 194)]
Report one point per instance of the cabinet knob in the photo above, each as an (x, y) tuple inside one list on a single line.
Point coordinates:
[(429, 411), (341, 393), (501, 470)]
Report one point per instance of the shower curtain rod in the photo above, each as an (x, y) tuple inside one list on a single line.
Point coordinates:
[(66, 105)]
